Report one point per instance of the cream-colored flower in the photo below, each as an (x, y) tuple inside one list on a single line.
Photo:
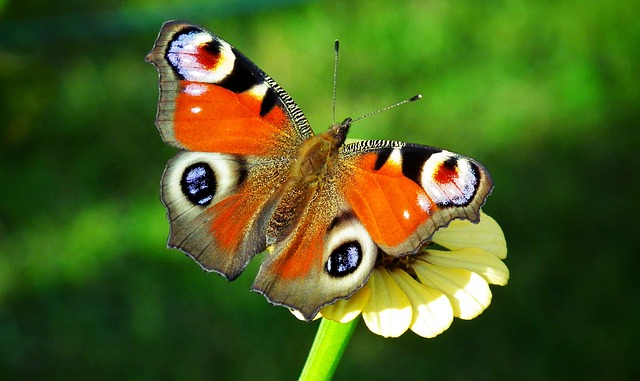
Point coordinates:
[(424, 292)]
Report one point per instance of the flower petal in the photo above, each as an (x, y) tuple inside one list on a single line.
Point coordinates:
[(388, 312), (481, 262), (485, 235), (468, 292), (432, 311), (343, 311)]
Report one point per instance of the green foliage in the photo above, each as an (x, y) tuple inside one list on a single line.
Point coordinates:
[(545, 94)]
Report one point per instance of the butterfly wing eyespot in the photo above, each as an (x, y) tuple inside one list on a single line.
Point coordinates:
[(344, 260), (199, 183), (348, 249), (452, 180), (200, 179)]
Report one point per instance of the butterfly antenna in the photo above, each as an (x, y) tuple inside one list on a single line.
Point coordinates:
[(336, 47), (412, 99)]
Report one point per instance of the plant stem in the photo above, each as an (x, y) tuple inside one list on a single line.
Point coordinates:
[(330, 342)]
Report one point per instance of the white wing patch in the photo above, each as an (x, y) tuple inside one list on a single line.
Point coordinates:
[(258, 91), (195, 89), (449, 185)]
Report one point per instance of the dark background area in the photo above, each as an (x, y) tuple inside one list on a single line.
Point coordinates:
[(546, 95)]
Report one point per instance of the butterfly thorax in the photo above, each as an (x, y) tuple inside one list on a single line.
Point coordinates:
[(316, 155), (312, 168)]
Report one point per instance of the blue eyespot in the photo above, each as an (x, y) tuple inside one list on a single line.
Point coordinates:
[(199, 184), (345, 259)]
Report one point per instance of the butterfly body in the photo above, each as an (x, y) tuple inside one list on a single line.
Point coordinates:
[(251, 175)]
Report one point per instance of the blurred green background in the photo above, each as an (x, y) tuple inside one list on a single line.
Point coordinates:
[(545, 94)]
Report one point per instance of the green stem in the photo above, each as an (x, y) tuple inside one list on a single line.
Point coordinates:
[(330, 342)]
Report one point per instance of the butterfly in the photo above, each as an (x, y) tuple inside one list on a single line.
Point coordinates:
[(252, 176)]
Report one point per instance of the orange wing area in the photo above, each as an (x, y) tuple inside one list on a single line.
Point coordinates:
[(229, 251), (292, 272), (301, 256), (388, 204), (231, 215), (210, 118)]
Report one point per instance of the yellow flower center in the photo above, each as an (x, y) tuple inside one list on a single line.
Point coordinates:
[(404, 262)]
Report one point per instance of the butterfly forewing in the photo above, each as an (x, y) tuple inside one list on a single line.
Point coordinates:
[(404, 192), (214, 99)]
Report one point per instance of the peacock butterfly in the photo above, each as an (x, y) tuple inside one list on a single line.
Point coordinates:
[(252, 176)]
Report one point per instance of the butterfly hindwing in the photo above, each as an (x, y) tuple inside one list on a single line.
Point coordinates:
[(216, 205), (328, 256)]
